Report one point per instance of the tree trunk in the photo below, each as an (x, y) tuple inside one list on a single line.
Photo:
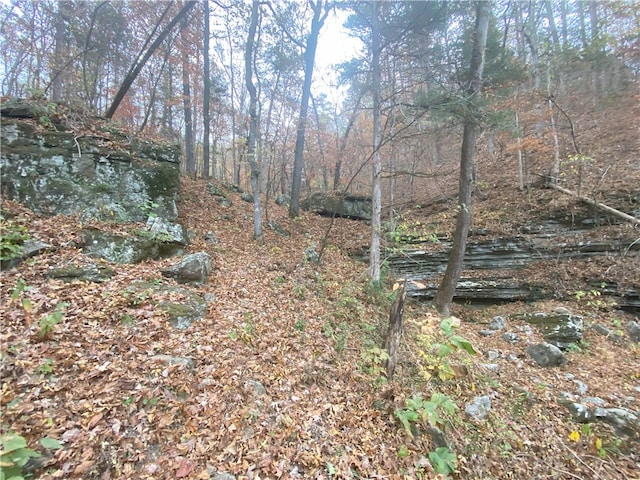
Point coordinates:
[(394, 331), (446, 290), (60, 49), (133, 74), (188, 113), (206, 101), (253, 121), (376, 196), (309, 60)]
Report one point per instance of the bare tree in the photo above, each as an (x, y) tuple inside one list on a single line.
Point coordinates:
[(376, 196), (138, 64), (309, 60), (446, 290), (253, 120)]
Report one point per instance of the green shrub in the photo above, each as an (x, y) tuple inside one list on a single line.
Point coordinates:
[(12, 236)]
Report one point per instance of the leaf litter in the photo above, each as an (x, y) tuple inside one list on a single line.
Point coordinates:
[(275, 385)]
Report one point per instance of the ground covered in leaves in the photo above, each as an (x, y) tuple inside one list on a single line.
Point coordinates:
[(283, 378)]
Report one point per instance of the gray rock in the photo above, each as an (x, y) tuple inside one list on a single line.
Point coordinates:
[(311, 255), (497, 323), (487, 333), (546, 355), (623, 420), (491, 355), (61, 172), (126, 249), (255, 387), (171, 360), (210, 238), (597, 401), (181, 314), (339, 204), (30, 248), (580, 413), (562, 311), (283, 200), (559, 329), (492, 367), (582, 387), (89, 272), (279, 229), (479, 407), (510, 337), (222, 476), (166, 231), (633, 330), (437, 436), (194, 268)]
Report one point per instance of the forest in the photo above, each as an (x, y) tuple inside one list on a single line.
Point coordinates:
[(480, 320)]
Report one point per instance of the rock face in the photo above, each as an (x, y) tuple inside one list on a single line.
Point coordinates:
[(60, 172), (335, 203), (491, 267)]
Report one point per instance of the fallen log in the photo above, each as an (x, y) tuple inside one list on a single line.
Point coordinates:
[(598, 205)]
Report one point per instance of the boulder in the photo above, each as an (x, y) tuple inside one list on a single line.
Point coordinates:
[(546, 355), (194, 268), (559, 329), (633, 330), (134, 248), (356, 207)]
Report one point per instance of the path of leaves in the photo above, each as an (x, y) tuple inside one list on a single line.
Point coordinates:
[(279, 387)]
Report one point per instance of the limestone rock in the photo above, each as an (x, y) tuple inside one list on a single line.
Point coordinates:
[(356, 207), (479, 407), (194, 268), (633, 330), (497, 323), (95, 176), (546, 355), (559, 329)]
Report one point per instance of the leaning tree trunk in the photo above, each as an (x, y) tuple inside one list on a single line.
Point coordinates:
[(309, 60), (135, 70), (446, 290)]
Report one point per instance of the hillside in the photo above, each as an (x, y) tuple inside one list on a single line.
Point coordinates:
[(280, 380)]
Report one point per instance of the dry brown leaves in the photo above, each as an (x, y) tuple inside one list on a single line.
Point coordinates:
[(279, 388)]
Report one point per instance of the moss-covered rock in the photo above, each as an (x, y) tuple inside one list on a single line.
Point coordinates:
[(55, 172)]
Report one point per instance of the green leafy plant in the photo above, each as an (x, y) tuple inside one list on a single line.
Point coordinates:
[(373, 361), (418, 410), (412, 232), (50, 320), (14, 454), (436, 354), (403, 452), (443, 460), (45, 368), (18, 294), (12, 237), (593, 298), (148, 208)]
